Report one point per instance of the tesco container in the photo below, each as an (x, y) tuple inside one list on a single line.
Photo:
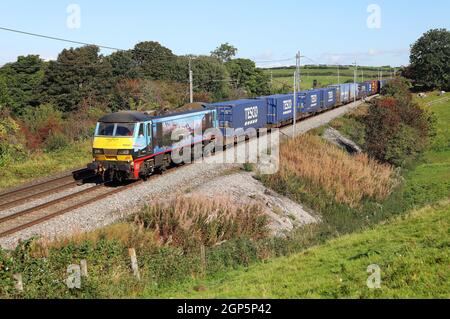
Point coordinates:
[(328, 98), (354, 91), (280, 108), (309, 101), (240, 115), (345, 93)]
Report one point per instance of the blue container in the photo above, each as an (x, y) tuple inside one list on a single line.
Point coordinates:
[(310, 101), (328, 97), (280, 108), (363, 90), (343, 93), (241, 114)]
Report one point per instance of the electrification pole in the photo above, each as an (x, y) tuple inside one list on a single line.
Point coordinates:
[(354, 80), (339, 76), (191, 83), (296, 87)]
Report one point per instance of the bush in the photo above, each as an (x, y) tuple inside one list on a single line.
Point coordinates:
[(56, 141), (189, 222), (398, 130)]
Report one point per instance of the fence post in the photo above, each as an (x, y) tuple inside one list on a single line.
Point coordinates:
[(19, 282), (83, 266), (203, 259), (134, 263)]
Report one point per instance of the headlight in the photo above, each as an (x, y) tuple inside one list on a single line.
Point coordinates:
[(98, 151), (123, 152)]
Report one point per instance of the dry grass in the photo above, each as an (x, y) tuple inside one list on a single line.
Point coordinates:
[(188, 221), (347, 178)]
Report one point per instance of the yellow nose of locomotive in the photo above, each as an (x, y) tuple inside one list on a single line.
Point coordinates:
[(113, 149)]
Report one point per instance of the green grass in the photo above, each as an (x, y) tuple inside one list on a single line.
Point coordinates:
[(412, 252), (430, 180), (42, 164), (324, 76)]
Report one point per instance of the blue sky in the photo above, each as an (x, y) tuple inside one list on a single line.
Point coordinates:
[(325, 31)]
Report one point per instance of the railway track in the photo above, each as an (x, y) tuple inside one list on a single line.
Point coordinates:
[(21, 220), (24, 194)]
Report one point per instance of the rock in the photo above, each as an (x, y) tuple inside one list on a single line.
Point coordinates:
[(338, 139)]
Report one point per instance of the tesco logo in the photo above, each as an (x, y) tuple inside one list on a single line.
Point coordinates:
[(287, 105), (251, 113)]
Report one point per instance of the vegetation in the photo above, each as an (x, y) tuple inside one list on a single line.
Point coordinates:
[(343, 177), (172, 268), (398, 130), (46, 107), (412, 253), (167, 238), (430, 60)]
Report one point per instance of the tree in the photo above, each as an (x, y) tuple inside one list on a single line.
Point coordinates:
[(123, 65), (245, 75), (20, 81), (210, 75), (78, 74), (430, 60), (224, 53), (154, 61)]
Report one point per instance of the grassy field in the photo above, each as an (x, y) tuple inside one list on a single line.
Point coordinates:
[(430, 180), (43, 164), (412, 253), (324, 76)]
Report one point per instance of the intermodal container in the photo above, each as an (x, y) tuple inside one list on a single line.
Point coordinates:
[(309, 101), (280, 108), (328, 97), (375, 87), (240, 115), (354, 90), (342, 93)]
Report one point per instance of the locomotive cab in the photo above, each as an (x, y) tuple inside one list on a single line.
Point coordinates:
[(120, 139)]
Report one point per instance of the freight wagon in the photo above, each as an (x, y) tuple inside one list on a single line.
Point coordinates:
[(280, 109), (240, 115), (310, 101), (343, 93), (328, 98)]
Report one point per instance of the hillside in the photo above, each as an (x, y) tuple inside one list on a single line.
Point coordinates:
[(412, 253)]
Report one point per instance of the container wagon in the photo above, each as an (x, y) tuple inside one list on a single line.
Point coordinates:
[(280, 109), (328, 98), (236, 117), (309, 101), (343, 93)]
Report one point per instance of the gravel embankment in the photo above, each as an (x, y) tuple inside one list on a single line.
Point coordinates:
[(116, 207)]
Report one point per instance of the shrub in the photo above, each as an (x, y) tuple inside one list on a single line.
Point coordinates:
[(56, 141), (188, 222), (398, 130)]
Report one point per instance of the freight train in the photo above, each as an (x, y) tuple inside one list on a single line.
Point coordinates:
[(134, 145)]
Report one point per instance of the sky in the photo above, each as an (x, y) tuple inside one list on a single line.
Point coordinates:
[(374, 32)]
